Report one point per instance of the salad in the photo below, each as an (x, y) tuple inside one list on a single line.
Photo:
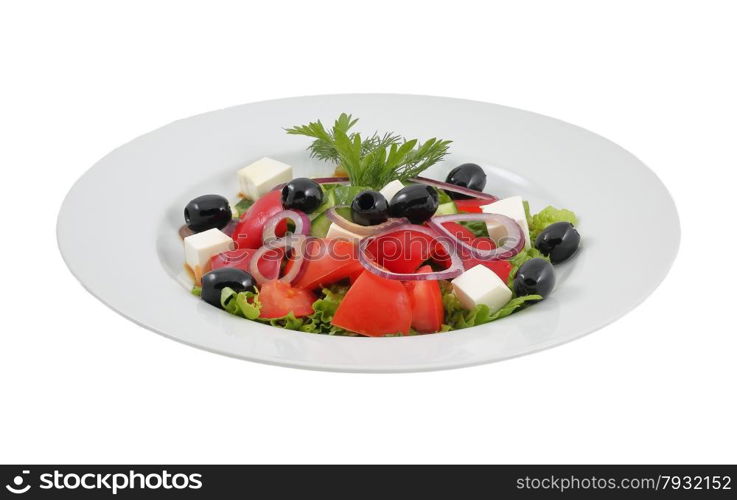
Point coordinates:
[(376, 249)]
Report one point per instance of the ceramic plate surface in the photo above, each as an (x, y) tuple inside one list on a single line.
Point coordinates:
[(130, 257)]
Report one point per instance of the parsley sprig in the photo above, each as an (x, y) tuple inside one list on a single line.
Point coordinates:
[(375, 160)]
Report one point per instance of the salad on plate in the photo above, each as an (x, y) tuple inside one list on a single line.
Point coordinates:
[(376, 249)]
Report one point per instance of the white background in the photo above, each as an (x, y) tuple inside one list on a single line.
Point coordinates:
[(81, 384)]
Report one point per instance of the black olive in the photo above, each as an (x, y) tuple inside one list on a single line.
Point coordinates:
[(468, 175), (207, 212), (535, 277), (369, 208), (225, 277), (558, 241), (417, 202), (301, 194)]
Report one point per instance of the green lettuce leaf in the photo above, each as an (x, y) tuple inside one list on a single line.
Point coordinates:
[(456, 317), (549, 215), (320, 321), (289, 322), (248, 305), (514, 305), (245, 304), (477, 227), (197, 291), (521, 258)]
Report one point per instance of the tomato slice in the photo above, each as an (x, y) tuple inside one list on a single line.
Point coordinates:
[(327, 261), (279, 299), (472, 205), (375, 306), (402, 251), (427, 303), (269, 264), (248, 233)]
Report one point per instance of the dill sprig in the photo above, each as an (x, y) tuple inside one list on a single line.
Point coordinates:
[(374, 161)]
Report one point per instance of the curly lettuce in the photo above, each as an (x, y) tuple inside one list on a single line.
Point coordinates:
[(244, 304), (320, 321), (549, 215), (521, 258), (456, 317), (247, 305), (538, 222)]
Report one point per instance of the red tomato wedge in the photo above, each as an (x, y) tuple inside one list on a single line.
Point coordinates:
[(471, 206), (374, 307), (427, 303), (402, 251), (279, 299), (249, 231), (241, 259), (327, 261)]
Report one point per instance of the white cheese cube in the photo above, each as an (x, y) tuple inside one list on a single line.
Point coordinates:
[(200, 247), (261, 176), (335, 231), (514, 208), (481, 285), (391, 189)]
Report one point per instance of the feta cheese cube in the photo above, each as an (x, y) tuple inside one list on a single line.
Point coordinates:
[(200, 247), (481, 285), (391, 189), (335, 231), (260, 176), (514, 208)]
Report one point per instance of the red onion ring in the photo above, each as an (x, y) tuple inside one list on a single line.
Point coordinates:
[(301, 221), (452, 271), (334, 217), (514, 239), (294, 242), (230, 227), (445, 186), (320, 180)]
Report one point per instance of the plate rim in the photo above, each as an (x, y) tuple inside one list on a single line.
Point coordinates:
[(653, 285)]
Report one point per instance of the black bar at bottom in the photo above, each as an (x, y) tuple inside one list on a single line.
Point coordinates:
[(376, 481)]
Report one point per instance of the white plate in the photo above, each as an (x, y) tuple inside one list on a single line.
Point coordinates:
[(117, 229)]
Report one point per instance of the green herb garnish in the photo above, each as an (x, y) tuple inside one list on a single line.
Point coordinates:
[(376, 160)]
